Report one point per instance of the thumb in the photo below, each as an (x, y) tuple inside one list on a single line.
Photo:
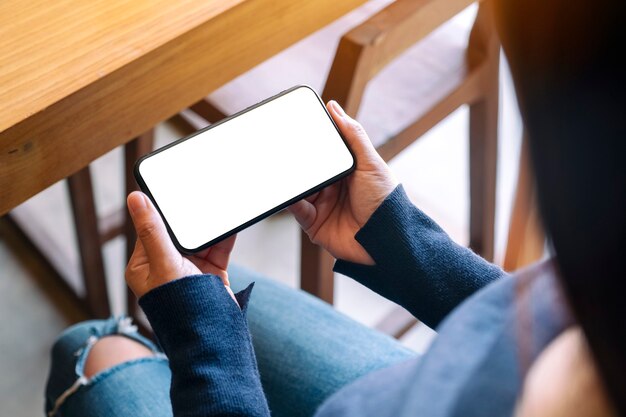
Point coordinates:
[(150, 229), (355, 135)]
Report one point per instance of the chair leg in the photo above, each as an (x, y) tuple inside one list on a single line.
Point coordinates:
[(316, 270), (208, 111), (346, 83), (133, 150), (89, 246), (483, 137), (526, 238), (483, 55)]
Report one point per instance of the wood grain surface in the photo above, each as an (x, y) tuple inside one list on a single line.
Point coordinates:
[(78, 78)]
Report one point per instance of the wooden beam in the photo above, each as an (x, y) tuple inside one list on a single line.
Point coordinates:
[(88, 237)]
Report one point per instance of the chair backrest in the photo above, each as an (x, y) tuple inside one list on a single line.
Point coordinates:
[(366, 49)]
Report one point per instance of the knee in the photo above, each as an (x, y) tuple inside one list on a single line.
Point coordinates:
[(75, 337), (113, 350), (89, 348), (65, 355), (96, 345)]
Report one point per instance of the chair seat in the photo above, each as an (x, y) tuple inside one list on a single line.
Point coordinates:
[(433, 68)]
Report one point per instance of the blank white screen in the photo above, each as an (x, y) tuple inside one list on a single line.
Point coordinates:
[(220, 179)]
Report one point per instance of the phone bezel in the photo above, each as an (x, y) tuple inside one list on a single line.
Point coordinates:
[(143, 186)]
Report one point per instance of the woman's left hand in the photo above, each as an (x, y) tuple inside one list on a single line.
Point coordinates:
[(156, 261)]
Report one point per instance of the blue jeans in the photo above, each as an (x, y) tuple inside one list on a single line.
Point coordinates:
[(305, 349)]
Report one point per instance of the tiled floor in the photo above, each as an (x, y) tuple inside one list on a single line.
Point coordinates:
[(434, 171)]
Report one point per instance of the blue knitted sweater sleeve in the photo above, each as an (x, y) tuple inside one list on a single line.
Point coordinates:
[(417, 264), (206, 339)]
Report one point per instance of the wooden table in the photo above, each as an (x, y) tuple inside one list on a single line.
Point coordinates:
[(81, 77)]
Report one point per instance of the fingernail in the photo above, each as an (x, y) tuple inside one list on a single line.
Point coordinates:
[(137, 202), (337, 108)]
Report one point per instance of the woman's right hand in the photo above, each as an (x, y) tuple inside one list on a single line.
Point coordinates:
[(334, 215)]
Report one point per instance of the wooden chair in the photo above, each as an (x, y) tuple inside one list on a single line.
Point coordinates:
[(367, 49), (525, 243), (362, 53), (93, 232)]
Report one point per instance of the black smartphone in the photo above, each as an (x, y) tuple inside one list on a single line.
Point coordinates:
[(241, 170)]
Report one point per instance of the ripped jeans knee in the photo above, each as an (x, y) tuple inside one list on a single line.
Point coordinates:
[(136, 387)]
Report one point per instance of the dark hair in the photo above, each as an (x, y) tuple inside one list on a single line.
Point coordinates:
[(565, 60)]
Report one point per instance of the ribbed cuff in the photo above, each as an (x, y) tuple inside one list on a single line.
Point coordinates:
[(181, 305)]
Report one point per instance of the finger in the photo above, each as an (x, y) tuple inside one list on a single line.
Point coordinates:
[(219, 254), (232, 295), (207, 267), (150, 229), (312, 198), (226, 244), (355, 135), (329, 198), (304, 212)]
